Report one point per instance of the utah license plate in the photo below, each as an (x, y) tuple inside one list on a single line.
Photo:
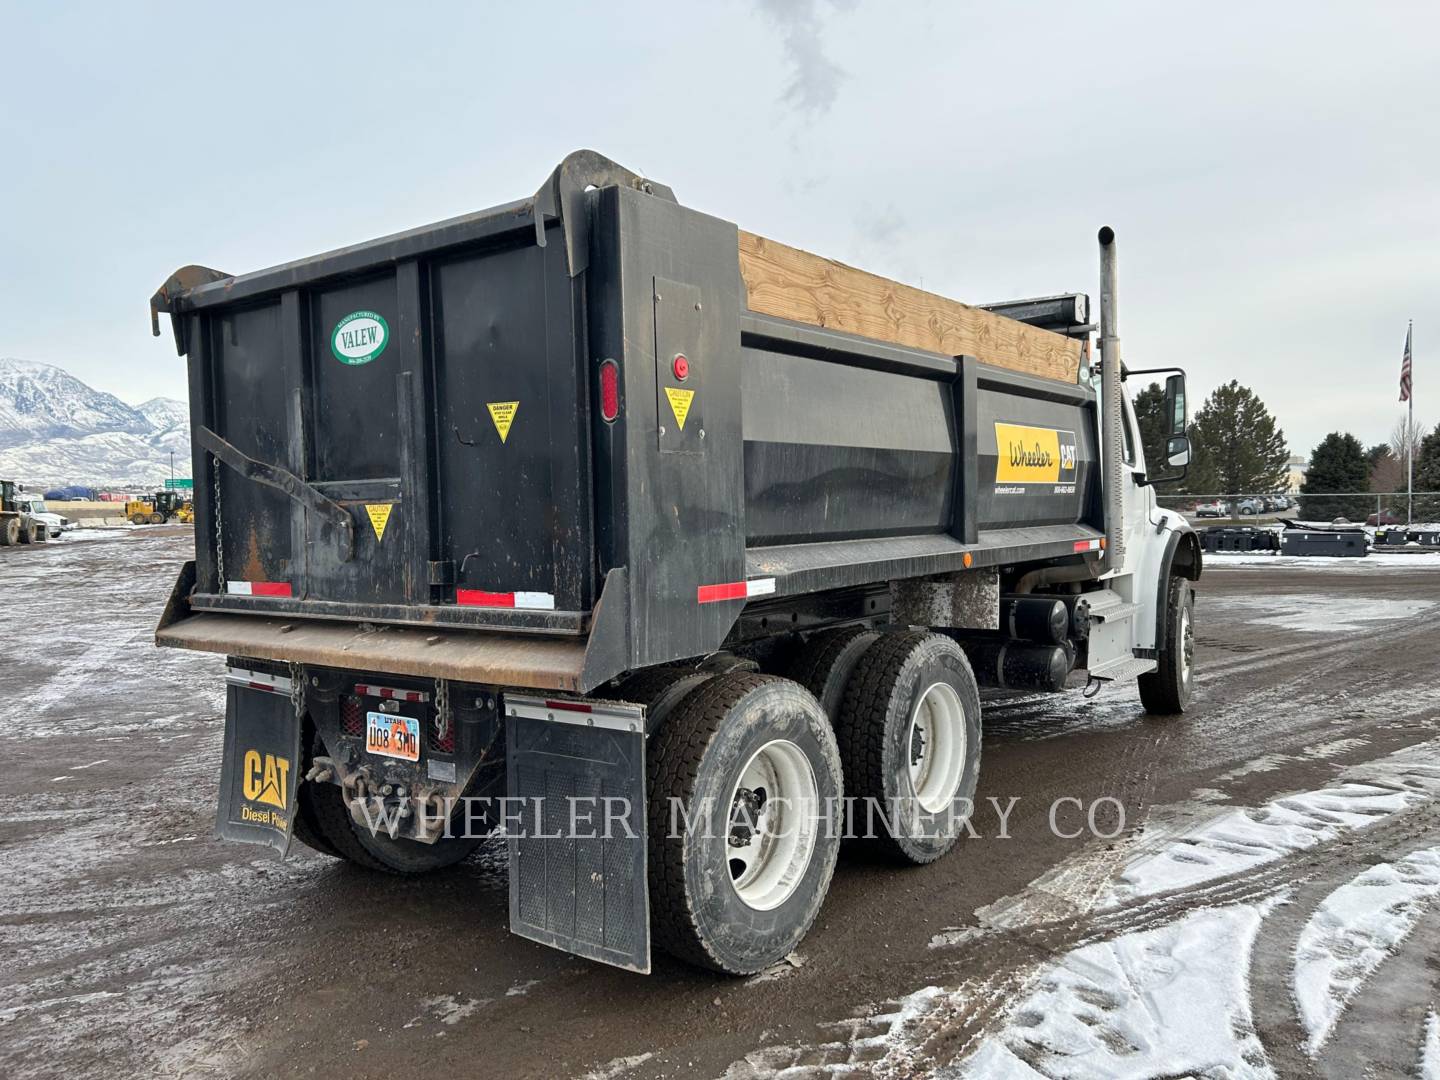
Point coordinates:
[(392, 736)]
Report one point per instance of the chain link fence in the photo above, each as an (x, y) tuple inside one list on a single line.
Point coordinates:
[(1369, 508)]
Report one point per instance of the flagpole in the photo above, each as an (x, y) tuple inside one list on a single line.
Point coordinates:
[(1410, 433)]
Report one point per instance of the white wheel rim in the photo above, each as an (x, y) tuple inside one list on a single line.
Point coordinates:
[(1187, 643), (774, 819), (936, 746)]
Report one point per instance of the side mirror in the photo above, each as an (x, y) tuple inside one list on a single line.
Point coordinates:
[(1177, 448), (1175, 408)]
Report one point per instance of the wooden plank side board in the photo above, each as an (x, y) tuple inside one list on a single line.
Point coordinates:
[(793, 284)]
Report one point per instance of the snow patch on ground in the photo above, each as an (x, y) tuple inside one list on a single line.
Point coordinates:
[(1352, 932), (1315, 613), (618, 1067), (1243, 839), (1166, 1002), (1430, 1055), (449, 1010), (1376, 561)]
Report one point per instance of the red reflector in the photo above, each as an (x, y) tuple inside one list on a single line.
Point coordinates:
[(481, 598), (709, 594), (569, 706), (681, 367), (609, 391)]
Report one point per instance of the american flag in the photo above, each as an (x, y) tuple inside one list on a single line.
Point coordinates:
[(1405, 368)]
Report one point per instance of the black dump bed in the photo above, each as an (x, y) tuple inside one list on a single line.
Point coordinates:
[(402, 460)]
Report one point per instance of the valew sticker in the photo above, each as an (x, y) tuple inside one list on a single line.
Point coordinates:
[(359, 337)]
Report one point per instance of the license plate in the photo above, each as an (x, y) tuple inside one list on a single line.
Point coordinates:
[(392, 736)]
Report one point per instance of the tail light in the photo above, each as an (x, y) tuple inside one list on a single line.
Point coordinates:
[(609, 391), (352, 715)]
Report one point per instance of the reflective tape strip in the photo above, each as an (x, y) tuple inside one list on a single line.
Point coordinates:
[(542, 601), (735, 590), (1087, 545), (612, 715), (259, 588), (370, 690), (258, 680)]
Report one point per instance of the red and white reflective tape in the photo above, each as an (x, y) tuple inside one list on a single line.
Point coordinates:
[(542, 601), (258, 680), (735, 590), (370, 690), (259, 588), (1089, 545)]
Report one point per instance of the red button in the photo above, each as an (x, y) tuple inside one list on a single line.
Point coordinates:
[(681, 367)]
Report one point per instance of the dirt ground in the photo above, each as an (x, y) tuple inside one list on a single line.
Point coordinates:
[(132, 942)]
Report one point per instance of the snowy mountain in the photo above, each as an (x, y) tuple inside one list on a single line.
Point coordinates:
[(54, 429)]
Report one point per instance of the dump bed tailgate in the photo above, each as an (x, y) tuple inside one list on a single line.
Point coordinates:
[(402, 440)]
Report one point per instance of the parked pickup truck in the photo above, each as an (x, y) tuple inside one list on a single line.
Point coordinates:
[(576, 502)]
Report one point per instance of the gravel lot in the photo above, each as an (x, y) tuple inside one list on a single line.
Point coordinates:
[(1268, 905)]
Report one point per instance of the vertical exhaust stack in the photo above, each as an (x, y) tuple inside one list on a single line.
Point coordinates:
[(1112, 436)]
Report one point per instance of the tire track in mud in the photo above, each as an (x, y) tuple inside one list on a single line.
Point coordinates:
[(1401, 989), (994, 968)]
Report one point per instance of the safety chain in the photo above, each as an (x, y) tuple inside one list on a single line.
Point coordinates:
[(442, 709), (297, 690), (219, 538)]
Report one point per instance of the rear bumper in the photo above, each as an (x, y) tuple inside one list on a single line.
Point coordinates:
[(570, 663), (463, 656)]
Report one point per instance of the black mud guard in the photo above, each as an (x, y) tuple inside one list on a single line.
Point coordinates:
[(258, 775), (576, 828)]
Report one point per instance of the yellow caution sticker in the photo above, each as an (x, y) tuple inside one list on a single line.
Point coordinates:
[(379, 514), (1034, 455), (503, 413), (680, 403)]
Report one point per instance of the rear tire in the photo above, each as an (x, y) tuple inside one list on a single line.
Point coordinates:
[(324, 824), (1166, 691), (738, 881), (138, 519), (909, 735), (827, 661), (27, 534), (157, 518), (9, 532)]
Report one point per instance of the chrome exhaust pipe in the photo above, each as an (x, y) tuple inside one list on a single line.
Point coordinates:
[(1112, 408)]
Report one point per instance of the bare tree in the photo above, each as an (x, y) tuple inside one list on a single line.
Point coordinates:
[(1404, 437)]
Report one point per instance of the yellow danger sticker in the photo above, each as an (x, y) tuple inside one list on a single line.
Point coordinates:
[(680, 403), (503, 413), (1034, 455), (379, 514)]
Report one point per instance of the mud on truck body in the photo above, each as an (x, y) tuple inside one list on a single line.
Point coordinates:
[(539, 505)]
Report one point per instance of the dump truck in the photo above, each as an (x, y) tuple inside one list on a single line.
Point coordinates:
[(673, 555), (17, 524)]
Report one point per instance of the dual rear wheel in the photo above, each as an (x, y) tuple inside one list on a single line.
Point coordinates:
[(753, 784)]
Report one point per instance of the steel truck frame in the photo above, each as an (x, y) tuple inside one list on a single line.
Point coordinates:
[(533, 508)]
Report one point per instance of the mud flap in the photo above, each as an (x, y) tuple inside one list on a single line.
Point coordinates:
[(576, 829), (258, 777)]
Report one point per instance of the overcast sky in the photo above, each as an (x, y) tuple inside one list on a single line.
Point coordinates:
[(1270, 168)]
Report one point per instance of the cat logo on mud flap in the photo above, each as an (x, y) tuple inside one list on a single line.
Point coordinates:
[(265, 778), (1034, 455)]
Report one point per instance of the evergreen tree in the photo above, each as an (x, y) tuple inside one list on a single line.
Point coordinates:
[(1154, 427), (1235, 447), (1337, 465), (1427, 477)]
